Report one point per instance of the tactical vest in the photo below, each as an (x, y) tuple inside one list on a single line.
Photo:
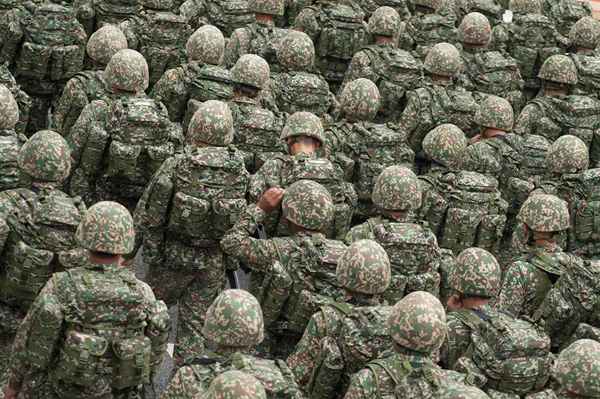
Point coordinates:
[(113, 12), (52, 49), (588, 74), (428, 30), (414, 255), (228, 15), (10, 144), (493, 73), (302, 91), (41, 241)]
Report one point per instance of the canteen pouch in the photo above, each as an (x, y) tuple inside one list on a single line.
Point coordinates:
[(188, 214), (34, 60), (27, 271), (275, 292), (226, 213), (123, 159), (326, 377), (66, 62), (132, 357), (81, 358)]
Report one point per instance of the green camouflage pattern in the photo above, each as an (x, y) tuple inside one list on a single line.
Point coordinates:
[(127, 70), (227, 15), (568, 155), (559, 68), (46, 157), (303, 124), (445, 145), (418, 322), (206, 45), (234, 320), (492, 9), (585, 33), (296, 52), (270, 7), (461, 391), (544, 212), (434, 5), (211, 124), (475, 29), (397, 189), (9, 109), (104, 43), (107, 227), (251, 70), (364, 268), (565, 13), (235, 385), (444, 60), (21, 97), (476, 273), (385, 21), (525, 6), (259, 38), (496, 113), (422, 31), (360, 100), (308, 204), (578, 367)]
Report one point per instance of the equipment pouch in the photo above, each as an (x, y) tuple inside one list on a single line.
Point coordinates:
[(123, 159), (33, 60), (276, 292), (27, 271), (490, 232), (81, 358), (132, 366), (188, 214), (66, 62), (460, 229)]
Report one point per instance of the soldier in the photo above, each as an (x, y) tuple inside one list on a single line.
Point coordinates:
[(292, 276), (565, 13), (94, 14), (261, 37), (226, 15), (418, 327), (585, 37), (23, 100), (257, 129), (233, 328), (487, 71), (393, 70), (10, 140), (491, 9), (89, 85), (576, 371), (438, 102), (328, 353), (117, 143), (235, 385), (206, 186), (184, 88), (94, 330), (338, 30), (402, 7), (454, 390)]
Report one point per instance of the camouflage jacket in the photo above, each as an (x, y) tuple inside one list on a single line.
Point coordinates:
[(255, 38), (564, 13), (22, 98)]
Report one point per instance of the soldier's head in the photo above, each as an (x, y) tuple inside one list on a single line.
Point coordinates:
[(475, 31), (544, 215), (525, 6), (250, 74), (206, 45), (211, 125), (266, 10), (45, 159), (385, 24), (494, 116), (9, 109), (567, 155), (397, 193), (585, 35), (418, 324), (443, 62), (307, 206), (107, 232), (127, 72), (364, 271), (235, 384), (428, 6), (474, 279), (103, 44), (577, 370), (296, 52), (360, 100), (303, 133), (558, 74), (444, 146), (234, 321)]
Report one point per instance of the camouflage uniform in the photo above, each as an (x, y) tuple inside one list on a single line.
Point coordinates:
[(576, 370), (90, 85), (402, 7), (393, 70), (94, 14), (227, 15), (23, 100), (117, 143), (584, 38), (185, 262), (93, 331), (234, 325), (10, 140), (235, 385), (565, 13), (343, 337), (491, 9)]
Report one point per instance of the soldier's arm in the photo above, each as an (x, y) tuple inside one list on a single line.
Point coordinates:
[(409, 119), (304, 359), (236, 47), (91, 115), (360, 67), (362, 386), (526, 121), (513, 292), (184, 385), (70, 105), (170, 87)]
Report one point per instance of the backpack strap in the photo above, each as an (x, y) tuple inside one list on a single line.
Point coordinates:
[(405, 367)]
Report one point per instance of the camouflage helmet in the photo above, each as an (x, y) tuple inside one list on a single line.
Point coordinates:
[(456, 390), (525, 6), (234, 319), (251, 70), (559, 68), (270, 7), (385, 21), (9, 109), (296, 51), (127, 70), (568, 154), (107, 227), (444, 60), (46, 157), (211, 124), (303, 124), (585, 33), (445, 144), (206, 45), (104, 43), (544, 213), (364, 268), (577, 369), (496, 113), (235, 384), (396, 189), (435, 5), (476, 273), (475, 28), (418, 322), (360, 99), (308, 204)]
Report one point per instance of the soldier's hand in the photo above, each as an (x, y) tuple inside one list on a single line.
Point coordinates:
[(271, 199)]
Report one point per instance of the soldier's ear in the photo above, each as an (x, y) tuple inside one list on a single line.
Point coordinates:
[(454, 303)]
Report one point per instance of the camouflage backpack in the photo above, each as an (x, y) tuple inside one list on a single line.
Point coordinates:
[(513, 354), (54, 45), (207, 82), (302, 91), (588, 73), (493, 73), (11, 34), (343, 31), (114, 12), (586, 213), (414, 254), (490, 8), (264, 41), (428, 30), (476, 212), (228, 15), (565, 13), (10, 144), (534, 164)]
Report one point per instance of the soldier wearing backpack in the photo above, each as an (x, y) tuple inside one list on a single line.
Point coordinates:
[(393, 70), (342, 337), (23, 100), (89, 85), (10, 140), (505, 355), (233, 328), (187, 207), (491, 9), (235, 385), (118, 143), (565, 13), (226, 15), (585, 37)]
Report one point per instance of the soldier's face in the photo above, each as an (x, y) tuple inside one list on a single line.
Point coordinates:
[(302, 145)]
